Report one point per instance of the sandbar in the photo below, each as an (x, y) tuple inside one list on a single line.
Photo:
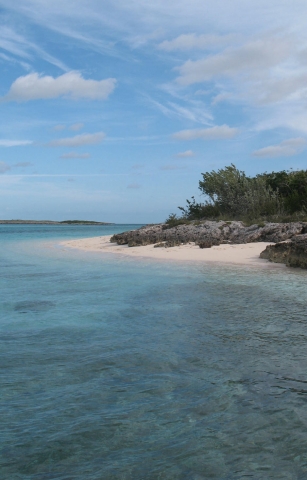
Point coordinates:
[(244, 254)]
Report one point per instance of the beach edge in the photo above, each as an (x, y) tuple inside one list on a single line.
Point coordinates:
[(239, 254)]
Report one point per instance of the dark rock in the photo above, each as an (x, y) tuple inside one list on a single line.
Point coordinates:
[(205, 244), (292, 253), (160, 245), (170, 243), (277, 253), (210, 232)]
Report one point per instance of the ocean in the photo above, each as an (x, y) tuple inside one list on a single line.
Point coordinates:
[(117, 368)]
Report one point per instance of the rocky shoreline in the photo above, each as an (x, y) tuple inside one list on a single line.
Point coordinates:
[(293, 253), (209, 233)]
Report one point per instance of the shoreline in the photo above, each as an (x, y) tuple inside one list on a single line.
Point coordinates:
[(54, 222), (240, 254)]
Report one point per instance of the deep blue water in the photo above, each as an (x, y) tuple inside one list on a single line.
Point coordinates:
[(113, 368)]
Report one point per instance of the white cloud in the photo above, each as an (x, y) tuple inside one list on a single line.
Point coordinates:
[(75, 155), (14, 143), (71, 84), (4, 167), (76, 127), (265, 70), (221, 97), (214, 133), (130, 21), (292, 86), (239, 70), (187, 153), (193, 41), (287, 148), (254, 56), (78, 140)]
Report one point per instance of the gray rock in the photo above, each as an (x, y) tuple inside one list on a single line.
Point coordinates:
[(210, 233), (170, 243), (292, 253)]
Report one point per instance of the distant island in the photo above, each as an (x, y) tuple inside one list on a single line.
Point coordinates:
[(51, 222)]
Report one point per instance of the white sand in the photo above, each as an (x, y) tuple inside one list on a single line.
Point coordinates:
[(247, 254)]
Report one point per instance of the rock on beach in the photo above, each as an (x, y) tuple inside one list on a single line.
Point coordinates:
[(209, 233), (293, 253)]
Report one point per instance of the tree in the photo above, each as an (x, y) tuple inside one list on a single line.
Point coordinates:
[(292, 187), (237, 195)]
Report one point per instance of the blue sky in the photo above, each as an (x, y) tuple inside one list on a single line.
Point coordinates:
[(111, 110)]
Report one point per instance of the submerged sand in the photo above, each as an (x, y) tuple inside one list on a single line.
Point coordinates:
[(247, 254)]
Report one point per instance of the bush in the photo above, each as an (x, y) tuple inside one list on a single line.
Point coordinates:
[(197, 211), (232, 195), (235, 194), (291, 186), (174, 221)]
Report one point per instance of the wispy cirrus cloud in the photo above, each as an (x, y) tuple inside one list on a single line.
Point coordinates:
[(78, 140), (287, 148), (186, 154), (72, 155), (76, 127), (59, 128), (188, 111), (4, 167), (172, 167), (221, 97), (194, 41), (71, 85), (132, 21), (218, 132), (14, 143), (23, 164), (18, 45)]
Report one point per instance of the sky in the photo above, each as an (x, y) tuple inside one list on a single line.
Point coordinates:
[(110, 111)]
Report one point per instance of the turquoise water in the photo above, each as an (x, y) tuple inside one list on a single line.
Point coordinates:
[(117, 369)]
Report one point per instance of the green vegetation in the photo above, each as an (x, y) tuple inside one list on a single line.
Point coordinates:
[(232, 195), (173, 221), (292, 188)]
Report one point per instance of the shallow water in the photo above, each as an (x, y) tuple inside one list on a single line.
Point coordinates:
[(117, 369)]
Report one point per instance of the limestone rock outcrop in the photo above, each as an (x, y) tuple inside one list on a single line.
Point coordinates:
[(293, 253), (209, 233)]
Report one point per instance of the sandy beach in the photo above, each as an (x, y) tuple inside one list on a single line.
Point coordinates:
[(244, 254)]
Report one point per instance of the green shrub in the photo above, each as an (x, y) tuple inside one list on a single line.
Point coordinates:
[(194, 210), (235, 194), (231, 195), (291, 186), (174, 221)]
